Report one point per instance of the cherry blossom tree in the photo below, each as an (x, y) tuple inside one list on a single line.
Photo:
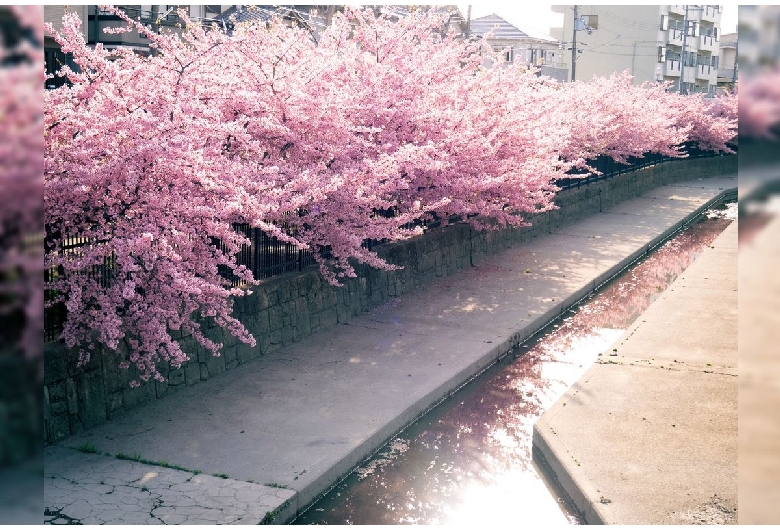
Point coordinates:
[(151, 159)]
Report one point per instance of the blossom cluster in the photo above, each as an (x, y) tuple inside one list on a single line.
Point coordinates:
[(154, 158)]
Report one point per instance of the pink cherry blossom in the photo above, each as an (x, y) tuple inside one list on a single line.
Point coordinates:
[(152, 159)]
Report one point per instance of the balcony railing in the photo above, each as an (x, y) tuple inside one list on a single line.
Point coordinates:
[(672, 68), (704, 71), (726, 73), (675, 36), (707, 42), (709, 13)]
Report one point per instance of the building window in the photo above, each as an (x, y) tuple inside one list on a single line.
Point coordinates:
[(664, 22), (591, 21), (714, 61), (507, 52), (661, 54)]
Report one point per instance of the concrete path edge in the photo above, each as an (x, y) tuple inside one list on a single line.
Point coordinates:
[(316, 490)]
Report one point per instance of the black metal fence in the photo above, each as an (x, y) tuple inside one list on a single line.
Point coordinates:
[(267, 256), (608, 168)]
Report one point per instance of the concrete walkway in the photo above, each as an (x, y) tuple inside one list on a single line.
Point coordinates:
[(285, 427), (649, 434), (759, 380)]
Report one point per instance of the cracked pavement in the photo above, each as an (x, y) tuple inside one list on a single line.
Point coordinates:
[(84, 488)]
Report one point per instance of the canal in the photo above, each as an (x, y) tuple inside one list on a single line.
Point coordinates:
[(469, 460)]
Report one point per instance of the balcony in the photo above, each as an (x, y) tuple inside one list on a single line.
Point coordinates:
[(725, 74), (675, 37), (710, 13), (690, 73), (706, 72), (678, 10), (707, 43), (671, 69)]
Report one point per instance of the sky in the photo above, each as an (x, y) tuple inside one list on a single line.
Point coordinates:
[(540, 18)]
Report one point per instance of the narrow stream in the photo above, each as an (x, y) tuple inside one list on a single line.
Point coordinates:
[(469, 460)]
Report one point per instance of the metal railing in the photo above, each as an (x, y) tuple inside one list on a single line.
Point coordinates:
[(607, 168)]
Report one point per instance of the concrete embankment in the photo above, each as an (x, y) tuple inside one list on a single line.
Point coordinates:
[(289, 424), (649, 434)]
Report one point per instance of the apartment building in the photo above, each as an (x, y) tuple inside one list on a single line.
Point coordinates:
[(676, 44)]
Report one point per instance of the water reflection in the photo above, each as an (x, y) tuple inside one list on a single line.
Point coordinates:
[(470, 459)]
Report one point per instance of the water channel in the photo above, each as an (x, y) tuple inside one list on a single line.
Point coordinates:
[(469, 460)]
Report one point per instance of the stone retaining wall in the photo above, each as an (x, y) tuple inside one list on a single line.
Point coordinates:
[(285, 309)]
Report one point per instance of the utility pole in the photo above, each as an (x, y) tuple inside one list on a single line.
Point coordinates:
[(468, 22), (734, 75), (574, 47), (682, 59)]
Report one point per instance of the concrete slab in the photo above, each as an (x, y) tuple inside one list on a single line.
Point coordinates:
[(759, 378), (89, 488), (642, 439), (304, 416)]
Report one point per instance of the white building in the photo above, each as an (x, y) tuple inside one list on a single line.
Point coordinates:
[(729, 65), (671, 43), (521, 46)]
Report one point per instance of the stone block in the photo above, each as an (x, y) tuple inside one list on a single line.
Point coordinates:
[(230, 356), (215, 365), (204, 371), (192, 373), (58, 408), (59, 428), (302, 324), (287, 335), (342, 313), (57, 391), (215, 334), (76, 426), (176, 377), (71, 397), (160, 387), (115, 378), (134, 397), (245, 352), (275, 319), (329, 318), (91, 399), (260, 299), (229, 339), (263, 322), (54, 369), (114, 404)]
